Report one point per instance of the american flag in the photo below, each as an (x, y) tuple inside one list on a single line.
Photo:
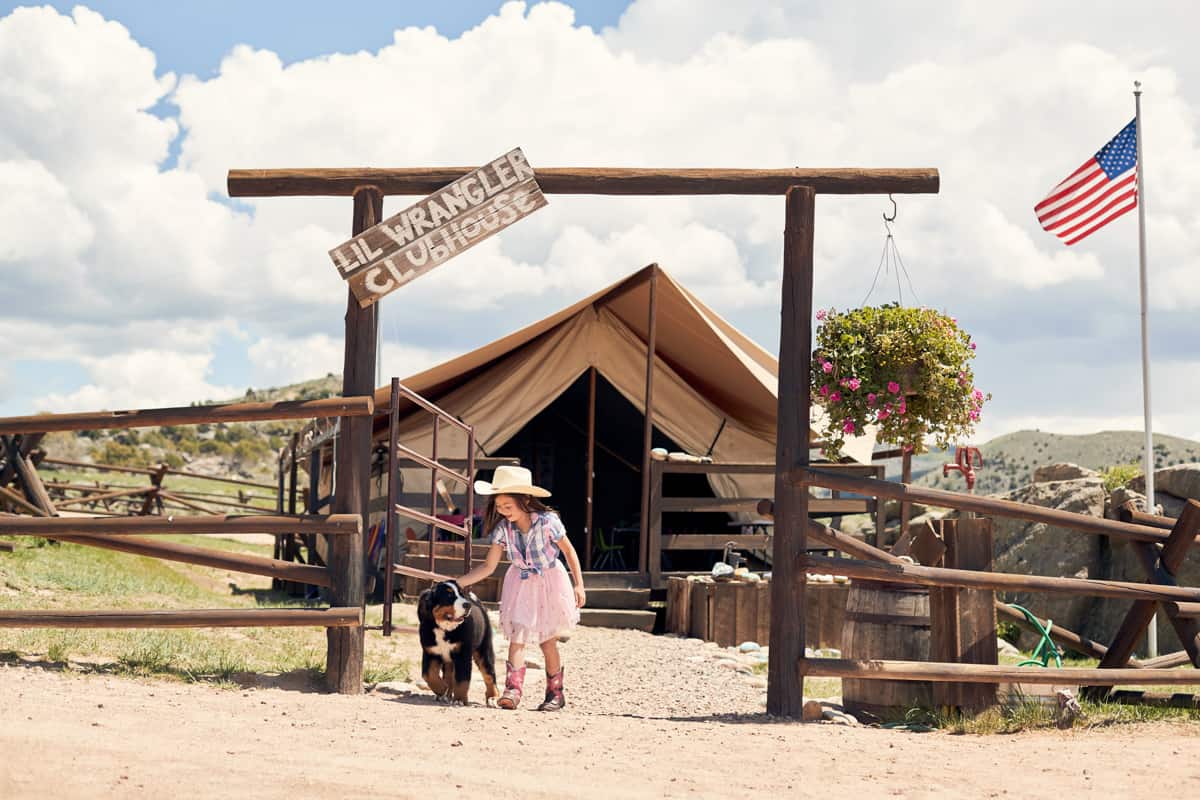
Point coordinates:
[(1101, 190)]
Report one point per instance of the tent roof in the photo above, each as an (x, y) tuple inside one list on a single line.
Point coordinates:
[(721, 363), (724, 365)]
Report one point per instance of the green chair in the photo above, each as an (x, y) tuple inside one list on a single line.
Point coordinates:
[(604, 553)]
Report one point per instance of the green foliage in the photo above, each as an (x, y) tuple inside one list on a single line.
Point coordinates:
[(905, 370), (114, 452), (1119, 475), (1008, 631)]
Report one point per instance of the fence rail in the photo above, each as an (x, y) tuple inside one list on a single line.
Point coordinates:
[(190, 415)]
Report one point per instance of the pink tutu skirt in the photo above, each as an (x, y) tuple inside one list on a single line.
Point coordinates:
[(538, 608)]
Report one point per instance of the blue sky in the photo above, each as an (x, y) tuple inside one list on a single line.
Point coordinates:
[(193, 37), (153, 288)]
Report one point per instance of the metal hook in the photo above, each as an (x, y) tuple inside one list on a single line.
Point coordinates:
[(892, 218)]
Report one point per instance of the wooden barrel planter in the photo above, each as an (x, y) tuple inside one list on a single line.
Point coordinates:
[(886, 621)]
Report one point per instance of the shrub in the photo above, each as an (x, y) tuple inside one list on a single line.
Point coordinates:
[(1119, 475)]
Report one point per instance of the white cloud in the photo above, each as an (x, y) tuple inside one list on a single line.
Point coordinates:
[(279, 360), (147, 378)]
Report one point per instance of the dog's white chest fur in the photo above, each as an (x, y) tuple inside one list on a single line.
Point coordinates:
[(441, 648)]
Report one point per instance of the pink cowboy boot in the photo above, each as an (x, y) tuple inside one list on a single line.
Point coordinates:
[(554, 693), (514, 680)]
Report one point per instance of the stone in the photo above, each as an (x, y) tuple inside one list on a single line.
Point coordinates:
[(812, 711), (1049, 473), (839, 717), (396, 687), (1005, 648), (1122, 495), (1181, 480), (1040, 549), (722, 570), (749, 647)]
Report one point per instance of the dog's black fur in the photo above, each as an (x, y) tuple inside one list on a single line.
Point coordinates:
[(454, 631)]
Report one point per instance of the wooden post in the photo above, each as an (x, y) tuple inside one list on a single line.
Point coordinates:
[(644, 553), (655, 529), (591, 469), (344, 653), (151, 497), (905, 478), (1141, 613), (390, 527), (785, 670), (31, 482), (964, 620)]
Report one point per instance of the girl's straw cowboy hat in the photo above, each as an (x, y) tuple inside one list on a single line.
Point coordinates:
[(511, 480)]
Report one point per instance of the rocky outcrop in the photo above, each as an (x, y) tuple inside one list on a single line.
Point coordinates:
[(1040, 549), (1062, 472), (1181, 480)]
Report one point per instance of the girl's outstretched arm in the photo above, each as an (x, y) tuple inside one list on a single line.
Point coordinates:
[(485, 569), (568, 551)]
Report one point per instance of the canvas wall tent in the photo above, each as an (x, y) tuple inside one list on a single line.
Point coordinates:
[(714, 389)]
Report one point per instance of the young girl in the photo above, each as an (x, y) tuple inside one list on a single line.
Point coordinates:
[(537, 604)]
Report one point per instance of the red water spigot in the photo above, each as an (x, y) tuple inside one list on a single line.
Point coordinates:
[(966, 459)]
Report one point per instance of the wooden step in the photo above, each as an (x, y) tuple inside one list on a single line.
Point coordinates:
[(618, 618), (604, 579), (605, 598)]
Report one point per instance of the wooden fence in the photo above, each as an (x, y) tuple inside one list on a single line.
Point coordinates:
[(122, 533), (1161, 552)]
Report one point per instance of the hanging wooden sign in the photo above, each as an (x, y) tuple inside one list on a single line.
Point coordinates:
[(430, 232)]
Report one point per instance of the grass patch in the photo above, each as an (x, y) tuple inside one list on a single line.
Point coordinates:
[(68, 576)]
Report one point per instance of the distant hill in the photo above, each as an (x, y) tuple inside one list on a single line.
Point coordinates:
[(244, 449), (1010, 460)]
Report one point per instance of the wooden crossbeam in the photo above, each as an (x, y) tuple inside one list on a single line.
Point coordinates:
[(587, 180), (1171, 558)]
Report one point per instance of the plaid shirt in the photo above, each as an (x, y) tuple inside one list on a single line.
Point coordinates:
[(535, 551)]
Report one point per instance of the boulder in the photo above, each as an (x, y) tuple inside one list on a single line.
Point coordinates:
[(1049, 473), (1181, 480), (1040, 549), (1122, 495)]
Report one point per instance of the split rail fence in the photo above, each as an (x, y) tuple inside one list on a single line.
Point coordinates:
[(122, 533), (1161, 552)]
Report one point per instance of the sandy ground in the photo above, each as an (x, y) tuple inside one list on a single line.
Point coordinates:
[(646, 717)]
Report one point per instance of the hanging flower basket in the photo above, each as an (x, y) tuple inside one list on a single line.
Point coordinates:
[(906, 371)]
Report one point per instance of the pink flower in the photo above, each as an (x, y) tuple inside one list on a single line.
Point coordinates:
[(883, 415), (836, 397), (978, 395), (972, 345), (870, 398), (848, 426), (854, 383), (821, 314), (827, 367), (844, 382), (824, 391), (887, 407), (893, 387), (902, 409), (973, 414)]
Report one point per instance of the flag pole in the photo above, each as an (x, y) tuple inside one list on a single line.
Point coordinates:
[(1152, 631)]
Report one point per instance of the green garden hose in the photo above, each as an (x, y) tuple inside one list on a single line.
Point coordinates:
[(1046, 648)]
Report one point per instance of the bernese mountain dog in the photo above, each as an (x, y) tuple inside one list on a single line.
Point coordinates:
[(454, 631)]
